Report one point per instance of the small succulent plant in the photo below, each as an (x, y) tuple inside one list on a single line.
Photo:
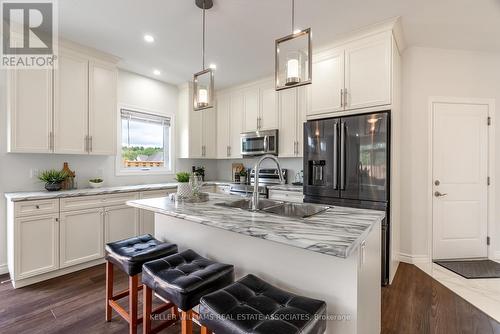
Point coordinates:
[(53, 176)]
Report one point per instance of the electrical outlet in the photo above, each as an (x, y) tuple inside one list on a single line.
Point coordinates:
[(34, 173)]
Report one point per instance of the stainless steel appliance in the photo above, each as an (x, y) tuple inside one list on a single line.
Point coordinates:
[(347, 163), (259, 143), (267, 177)]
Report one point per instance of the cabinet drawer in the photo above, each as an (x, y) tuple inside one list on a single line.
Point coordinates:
[(89, 202), (157, 193), (287, 196), (40, 207)]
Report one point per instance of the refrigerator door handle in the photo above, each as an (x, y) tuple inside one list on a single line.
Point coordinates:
[(335, 156), (343, 130)]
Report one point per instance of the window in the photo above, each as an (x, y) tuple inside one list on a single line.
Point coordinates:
[(145, 143)]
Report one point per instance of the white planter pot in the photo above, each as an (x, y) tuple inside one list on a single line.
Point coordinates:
[(184, 190)]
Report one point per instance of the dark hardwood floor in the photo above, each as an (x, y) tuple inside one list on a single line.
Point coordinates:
[(413, 304), (417, 304)]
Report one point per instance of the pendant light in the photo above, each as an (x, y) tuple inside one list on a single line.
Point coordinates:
[(203, 81), (293, 61)]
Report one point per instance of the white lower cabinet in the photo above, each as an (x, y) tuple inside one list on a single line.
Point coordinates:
[(121, 222), (81, 236), (36, 250), (146, 217)]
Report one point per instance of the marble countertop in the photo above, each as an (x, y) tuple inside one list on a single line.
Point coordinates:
[(287, 187), (337, 232), (44, 194)]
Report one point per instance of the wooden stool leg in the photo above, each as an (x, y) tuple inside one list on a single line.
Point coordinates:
[(205, 330), (133, 291), (187, 322), (109, 289), (146, 309)]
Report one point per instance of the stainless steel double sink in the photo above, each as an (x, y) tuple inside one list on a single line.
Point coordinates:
[(285, 209)]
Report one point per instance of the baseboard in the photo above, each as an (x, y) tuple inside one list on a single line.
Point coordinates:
[(413, 259), (4, 269)]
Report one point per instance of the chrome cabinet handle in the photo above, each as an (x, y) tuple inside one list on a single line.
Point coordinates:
[(90, 144), (341, 97), (438, 194), (345, 97)]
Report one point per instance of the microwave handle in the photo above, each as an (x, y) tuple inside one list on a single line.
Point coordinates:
[(266, 143)]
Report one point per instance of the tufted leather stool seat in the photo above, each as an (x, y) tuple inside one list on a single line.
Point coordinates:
[(183, 279), (251, 305), (130, 254)]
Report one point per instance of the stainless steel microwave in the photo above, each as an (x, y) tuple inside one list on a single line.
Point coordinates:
[(259, 143)]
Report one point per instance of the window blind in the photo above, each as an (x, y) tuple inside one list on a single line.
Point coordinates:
[(136, 116)]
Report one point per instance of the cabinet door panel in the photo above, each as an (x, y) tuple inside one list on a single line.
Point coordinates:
[(302, 105), (368, 72), (223, 126), (102, 111), (209, 133), (328, 81), (71, 104), (288, 122), (121, 222), (251, 109), (195, 133), (147, 218), (30, 111), (236, 118), (268, 108), (81, 236), (36, 245)]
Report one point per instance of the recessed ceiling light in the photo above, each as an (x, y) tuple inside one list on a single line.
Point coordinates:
[(156, 72), (296, 31), (149, 38), (213, 66)]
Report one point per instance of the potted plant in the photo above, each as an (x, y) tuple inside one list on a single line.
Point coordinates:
[(243, 176), (53, 179), (96, 183), (183, 188)]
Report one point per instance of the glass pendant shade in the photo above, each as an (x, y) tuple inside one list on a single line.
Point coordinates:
[(293, 60), (203, 90)]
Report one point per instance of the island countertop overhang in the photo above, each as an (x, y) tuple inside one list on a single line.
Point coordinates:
[(337, 232)]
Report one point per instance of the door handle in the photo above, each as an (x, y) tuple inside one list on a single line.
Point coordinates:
[(438, 194), (335, 156), (343, 130)]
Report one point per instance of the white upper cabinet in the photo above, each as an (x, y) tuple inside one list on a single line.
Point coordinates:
[(102, 110), (328, 82), (196, 133), (303, 93), (223, 126), (368, 72), (354, 76), (68, 110), (268, 108), (288, 123), (209, 133), (71, 104), (30, 111), (251, 113), (236, 124)]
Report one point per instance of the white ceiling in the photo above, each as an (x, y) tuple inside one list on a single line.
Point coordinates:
[(241, 33)]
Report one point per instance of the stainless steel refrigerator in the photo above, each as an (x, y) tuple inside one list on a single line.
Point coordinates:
[(347, 163)]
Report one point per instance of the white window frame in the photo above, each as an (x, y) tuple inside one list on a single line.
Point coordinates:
[(119, 169)]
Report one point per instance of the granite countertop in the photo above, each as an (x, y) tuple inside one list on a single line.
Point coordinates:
[(287, 187), (44, 194), (337, 232)]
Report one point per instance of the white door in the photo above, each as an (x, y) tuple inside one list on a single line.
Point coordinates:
[(121, 222), (81, 236), (368, 72), (251, 109), (223, 124), (288, 123), (268, 108), (36, 245), (30, 110), (103, 108), (460, 172), (236, 118), (328, 83), (209, 133), (71, 104)]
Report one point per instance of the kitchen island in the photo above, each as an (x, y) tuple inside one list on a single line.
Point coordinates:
[(333, 256)]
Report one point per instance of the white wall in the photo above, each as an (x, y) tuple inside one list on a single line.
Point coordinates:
[(436, 72), (15, 168)]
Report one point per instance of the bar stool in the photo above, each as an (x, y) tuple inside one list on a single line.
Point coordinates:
[(252, 305), (182, 279), (129, 255)]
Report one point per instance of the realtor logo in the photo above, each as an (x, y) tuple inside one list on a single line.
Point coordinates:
[(29, 33)]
